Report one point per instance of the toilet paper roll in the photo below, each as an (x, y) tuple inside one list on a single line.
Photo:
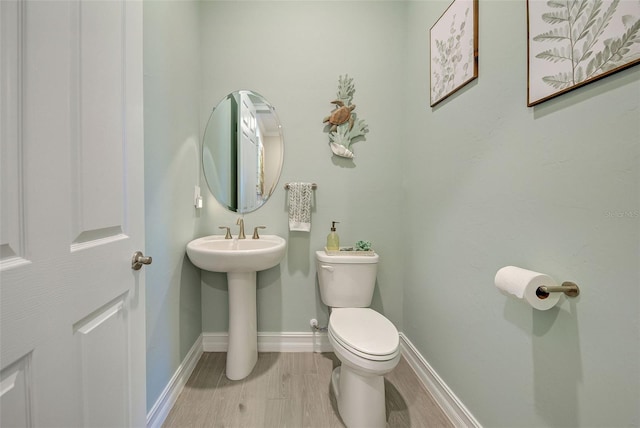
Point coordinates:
[(522, 284)]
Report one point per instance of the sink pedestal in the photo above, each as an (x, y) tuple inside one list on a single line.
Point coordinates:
[(240, 259), (242, 353)]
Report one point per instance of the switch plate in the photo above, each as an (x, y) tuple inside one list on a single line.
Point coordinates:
[(197, 198)]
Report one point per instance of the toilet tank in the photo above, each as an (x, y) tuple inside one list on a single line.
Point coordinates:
[(346, 281)]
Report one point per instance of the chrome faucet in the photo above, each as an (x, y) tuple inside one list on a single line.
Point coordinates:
[(240, 223)]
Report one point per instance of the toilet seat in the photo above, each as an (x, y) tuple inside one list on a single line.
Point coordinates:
[(365, 333)]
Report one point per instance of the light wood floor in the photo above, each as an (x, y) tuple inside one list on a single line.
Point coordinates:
[(291, 390)]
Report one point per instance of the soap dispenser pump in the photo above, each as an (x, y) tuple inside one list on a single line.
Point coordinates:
[(333, 240)]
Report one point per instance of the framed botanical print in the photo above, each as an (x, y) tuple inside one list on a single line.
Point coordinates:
[(574, 42), (454, 49)]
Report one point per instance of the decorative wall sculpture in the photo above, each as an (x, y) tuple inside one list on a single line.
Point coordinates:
[(344, 125)]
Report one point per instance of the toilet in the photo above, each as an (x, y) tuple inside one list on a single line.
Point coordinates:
[(365, 342)]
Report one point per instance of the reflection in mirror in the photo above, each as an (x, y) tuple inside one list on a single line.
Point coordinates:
[(243, 151)]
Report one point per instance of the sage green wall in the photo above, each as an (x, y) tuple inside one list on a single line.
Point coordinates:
[(448, 196), (172, 162), (553, 188), (292, 53)]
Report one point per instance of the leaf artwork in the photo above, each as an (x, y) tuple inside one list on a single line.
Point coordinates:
[(344, 124), (452, 50), (577, 41)]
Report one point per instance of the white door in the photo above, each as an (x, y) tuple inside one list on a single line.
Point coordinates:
[(248, 154), (72, 338)]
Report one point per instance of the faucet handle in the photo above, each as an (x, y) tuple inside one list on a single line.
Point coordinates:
[(228, 234), (255, 231)]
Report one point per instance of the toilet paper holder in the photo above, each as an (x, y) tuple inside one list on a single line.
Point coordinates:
[(570, 289)]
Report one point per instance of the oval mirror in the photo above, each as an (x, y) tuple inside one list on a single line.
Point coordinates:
[(243, 151)]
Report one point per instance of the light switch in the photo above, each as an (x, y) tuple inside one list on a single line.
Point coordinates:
[(197, 198)]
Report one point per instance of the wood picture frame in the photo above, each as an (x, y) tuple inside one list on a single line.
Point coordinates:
[(573, 43), (454, 49)]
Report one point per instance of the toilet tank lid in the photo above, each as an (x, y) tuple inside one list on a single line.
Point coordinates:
[(326, 258)]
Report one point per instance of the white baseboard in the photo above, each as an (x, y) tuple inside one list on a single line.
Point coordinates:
[(161, 408), (444, 396), (451, 405), (273, 342)]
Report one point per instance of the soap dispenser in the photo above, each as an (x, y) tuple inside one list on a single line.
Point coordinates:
[(333, 240)]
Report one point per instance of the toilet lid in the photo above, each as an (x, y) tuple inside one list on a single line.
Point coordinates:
[(364, 330)]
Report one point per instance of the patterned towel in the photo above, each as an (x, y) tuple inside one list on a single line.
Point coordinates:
[(300, 207)]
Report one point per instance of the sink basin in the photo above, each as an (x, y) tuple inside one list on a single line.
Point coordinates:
[(216, 254), (240, 259)]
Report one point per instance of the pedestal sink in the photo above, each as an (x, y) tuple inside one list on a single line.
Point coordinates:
[(240, 259)]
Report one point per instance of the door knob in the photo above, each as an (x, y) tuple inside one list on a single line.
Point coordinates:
[(139, 259)]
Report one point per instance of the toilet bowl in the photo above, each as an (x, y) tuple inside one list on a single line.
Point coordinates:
[(365, 342)]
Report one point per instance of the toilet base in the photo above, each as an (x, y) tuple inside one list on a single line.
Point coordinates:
[(360, 399)]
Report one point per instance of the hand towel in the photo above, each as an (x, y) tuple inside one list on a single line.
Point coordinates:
[(300, 207)]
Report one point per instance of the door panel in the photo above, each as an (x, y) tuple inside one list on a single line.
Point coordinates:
[(72, 309), (102, 344), (15, 390), (11, 166), (97, 163)]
